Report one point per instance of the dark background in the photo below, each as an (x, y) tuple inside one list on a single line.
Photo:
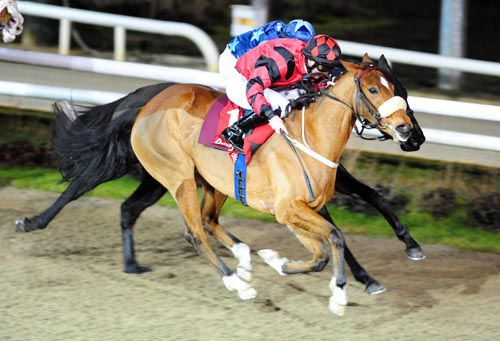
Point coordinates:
[(411, 25)]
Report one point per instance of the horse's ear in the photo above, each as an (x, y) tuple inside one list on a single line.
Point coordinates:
[(384, 66), (366, 59)]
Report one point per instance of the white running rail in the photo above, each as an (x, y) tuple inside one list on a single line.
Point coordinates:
[(121, 23), (421, 58), (444, 137), (183, 75)]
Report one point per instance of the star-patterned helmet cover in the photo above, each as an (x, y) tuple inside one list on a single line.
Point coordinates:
[(300, 29), (323, 50)]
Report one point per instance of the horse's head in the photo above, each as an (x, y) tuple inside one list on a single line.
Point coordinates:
[(417, 137), (376, 104), (11, 21)]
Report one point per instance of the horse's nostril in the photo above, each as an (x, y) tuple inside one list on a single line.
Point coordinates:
[(403, 128)]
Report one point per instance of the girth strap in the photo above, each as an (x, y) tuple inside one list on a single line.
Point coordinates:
[(240, 179)]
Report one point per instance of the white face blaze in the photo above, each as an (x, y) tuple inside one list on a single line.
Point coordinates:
[(384, 82)]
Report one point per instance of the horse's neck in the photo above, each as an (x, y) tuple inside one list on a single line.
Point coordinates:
[(328, 125)]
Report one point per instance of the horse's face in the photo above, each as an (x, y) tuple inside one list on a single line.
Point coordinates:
[(11, 21), (377, 104), (417, 137)]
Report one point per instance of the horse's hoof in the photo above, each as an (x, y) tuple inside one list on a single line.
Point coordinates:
[(23, 225), (247, 294), (415, 253), (135, 268), (374, 288), (245, 291), (338, 300), (335, 308)]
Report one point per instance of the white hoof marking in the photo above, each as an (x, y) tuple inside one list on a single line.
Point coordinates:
[(272, 258), (247, 294), (245, 291), (336, 309)]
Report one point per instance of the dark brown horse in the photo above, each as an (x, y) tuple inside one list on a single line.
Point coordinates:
[(95, 149)]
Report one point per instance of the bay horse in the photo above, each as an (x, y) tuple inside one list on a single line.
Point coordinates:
[(11, 21), (94, 149)]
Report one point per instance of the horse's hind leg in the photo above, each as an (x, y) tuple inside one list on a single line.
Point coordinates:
[(211, 206), (311, 242), (148, 192), (72, 192)]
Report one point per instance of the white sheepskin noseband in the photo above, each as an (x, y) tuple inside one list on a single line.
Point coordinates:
[(392, 105)]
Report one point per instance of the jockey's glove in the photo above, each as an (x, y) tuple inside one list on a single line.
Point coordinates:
[(277, 124)]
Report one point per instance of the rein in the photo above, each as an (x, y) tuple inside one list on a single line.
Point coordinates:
[(306, 177)]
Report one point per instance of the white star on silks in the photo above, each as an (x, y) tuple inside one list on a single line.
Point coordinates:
[(279, 27), (232, 44), (256, 35), (301, 24)]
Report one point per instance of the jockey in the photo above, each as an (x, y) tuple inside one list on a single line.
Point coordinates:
[(277, 63), (235, 82)]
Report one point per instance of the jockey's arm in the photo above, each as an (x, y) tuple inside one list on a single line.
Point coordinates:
[(266, 72)]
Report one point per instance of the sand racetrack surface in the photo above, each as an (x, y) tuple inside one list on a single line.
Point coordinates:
[(66, 283)]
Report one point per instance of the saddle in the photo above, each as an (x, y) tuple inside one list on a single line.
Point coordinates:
[(221, 115)]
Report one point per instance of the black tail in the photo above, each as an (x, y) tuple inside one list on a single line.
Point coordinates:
[(92, 145)]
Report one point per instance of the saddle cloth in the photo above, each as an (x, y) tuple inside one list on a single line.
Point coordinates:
[(221, 115)]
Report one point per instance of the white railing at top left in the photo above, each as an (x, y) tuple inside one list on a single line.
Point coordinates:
[(121, 23), (113, 67)]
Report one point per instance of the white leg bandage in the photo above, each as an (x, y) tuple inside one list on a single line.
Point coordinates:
[(338, 300), (273, 259), (241, 252)]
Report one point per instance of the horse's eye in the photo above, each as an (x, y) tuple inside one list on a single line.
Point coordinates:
[(373, 90)]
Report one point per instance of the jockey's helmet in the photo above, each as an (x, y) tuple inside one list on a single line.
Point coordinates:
[(324, 51), (300, 29)]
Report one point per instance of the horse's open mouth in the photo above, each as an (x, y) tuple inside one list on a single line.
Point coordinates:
[(399, 136)]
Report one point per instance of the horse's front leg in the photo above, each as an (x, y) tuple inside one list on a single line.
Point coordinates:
[(186, 198), (372, 286), (348, 184), (309, 222)]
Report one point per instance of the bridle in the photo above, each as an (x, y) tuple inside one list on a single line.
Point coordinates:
[(360, 98)]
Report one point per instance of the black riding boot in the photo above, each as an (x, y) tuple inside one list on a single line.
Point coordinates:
[(234, 133)]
